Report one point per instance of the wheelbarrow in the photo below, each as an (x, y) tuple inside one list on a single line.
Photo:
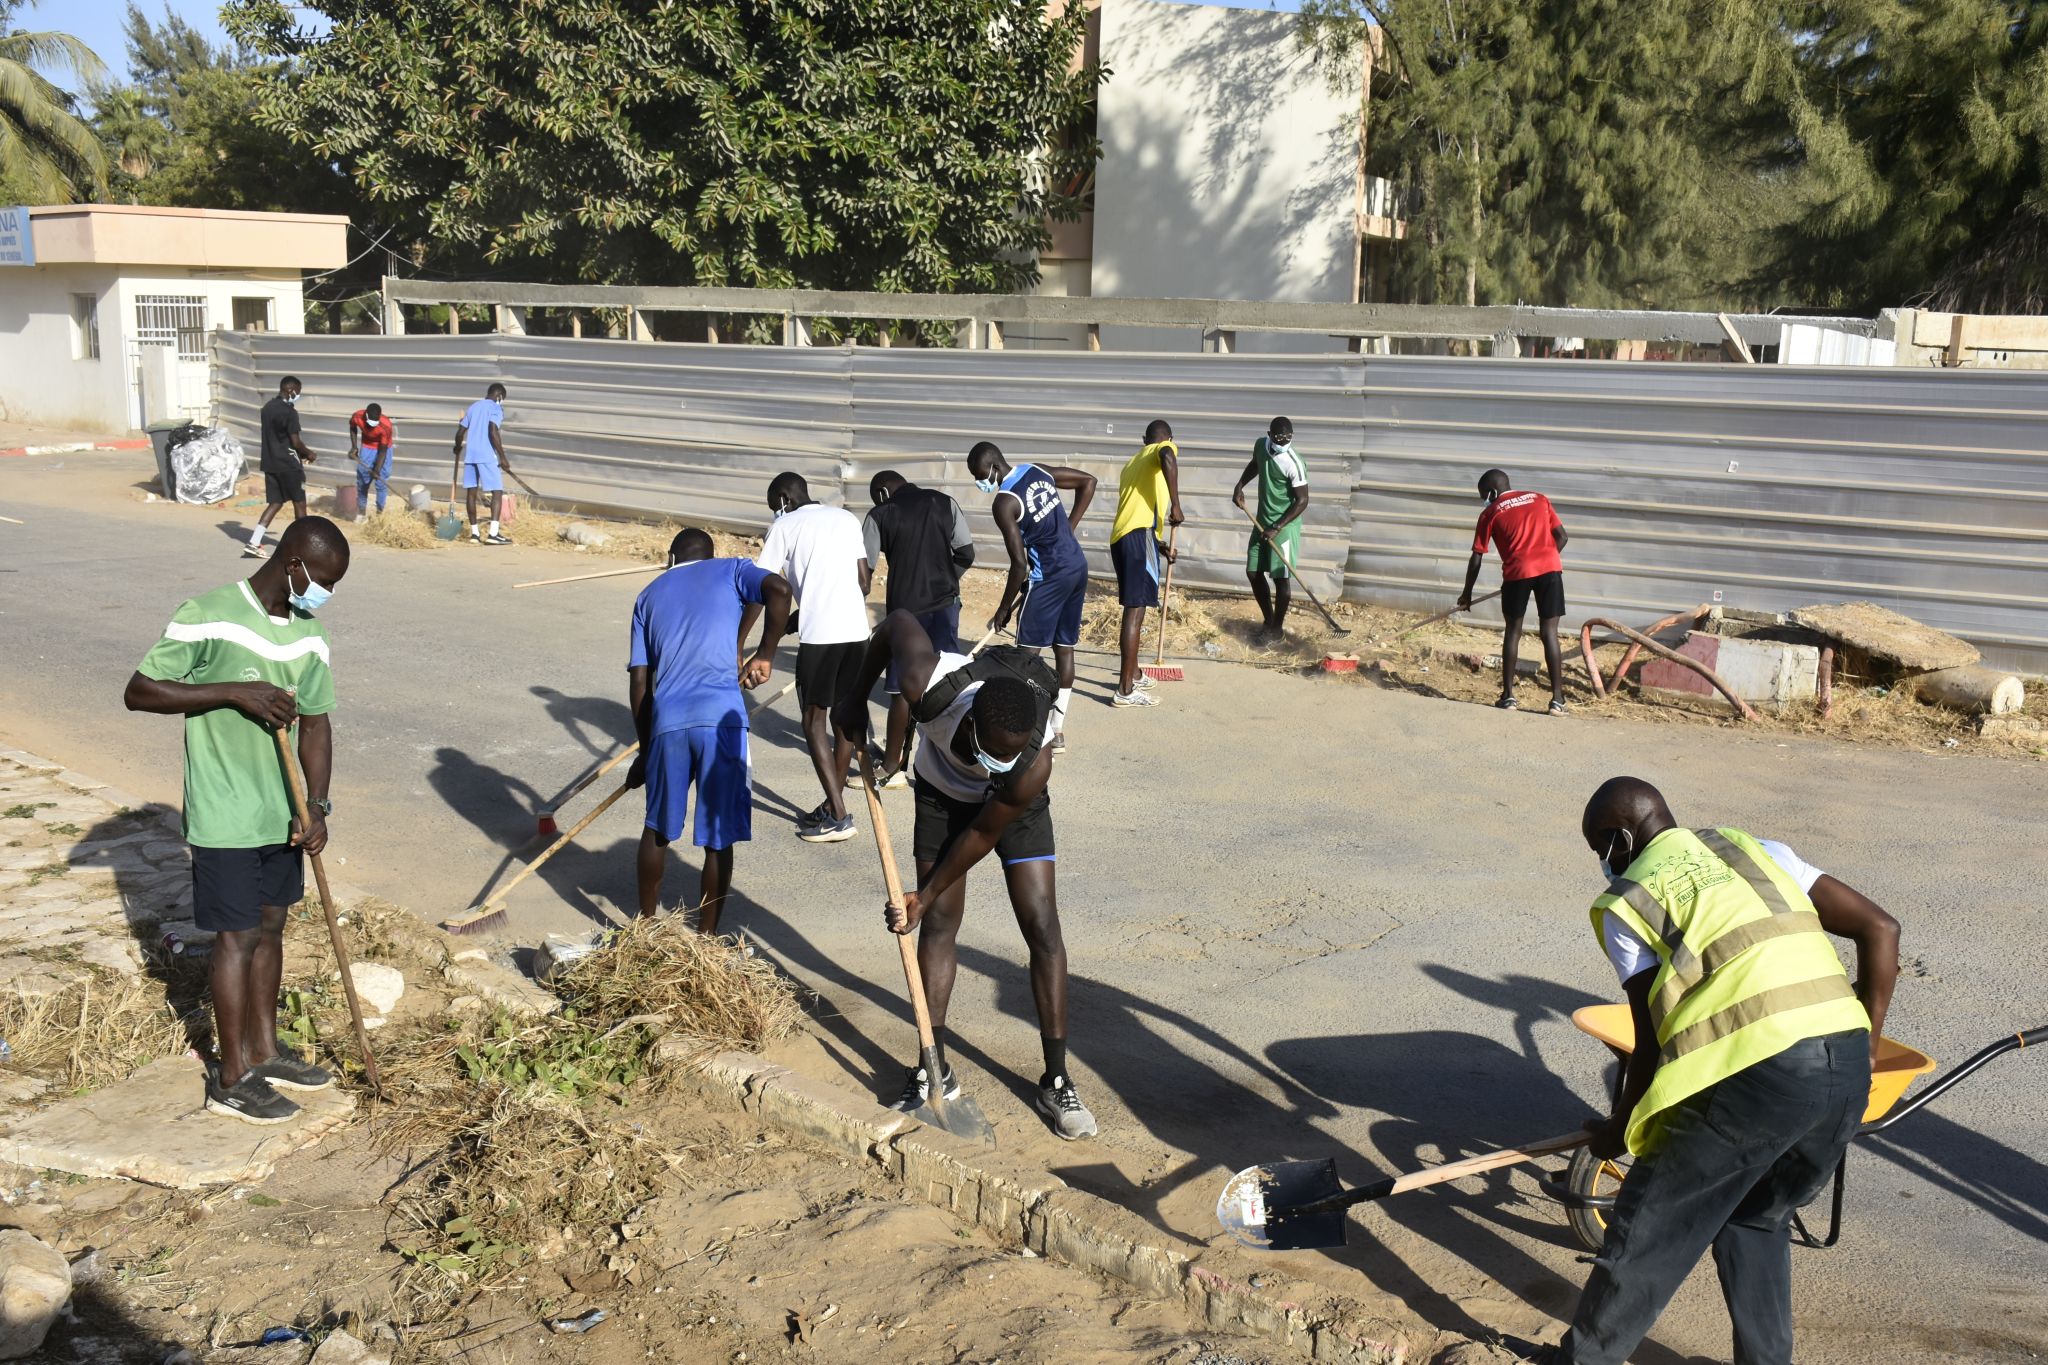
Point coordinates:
[(1590, 1183)]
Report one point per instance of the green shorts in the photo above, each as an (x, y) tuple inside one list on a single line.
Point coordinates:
[(1277, 558)]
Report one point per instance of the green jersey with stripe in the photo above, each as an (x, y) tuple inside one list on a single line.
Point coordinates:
[(235, 793), (1280, 473)]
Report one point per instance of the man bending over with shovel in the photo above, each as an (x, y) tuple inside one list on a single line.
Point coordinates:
[(985, 726)]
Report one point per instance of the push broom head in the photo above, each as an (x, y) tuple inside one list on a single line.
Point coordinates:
[(1163, 672), (546, 826)]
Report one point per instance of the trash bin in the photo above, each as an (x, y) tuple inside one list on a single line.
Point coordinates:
[(160, 442)]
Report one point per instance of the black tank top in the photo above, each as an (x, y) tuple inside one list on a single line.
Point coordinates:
[(916, 526)]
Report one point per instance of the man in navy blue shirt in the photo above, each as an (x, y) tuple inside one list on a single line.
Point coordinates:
[(1048, 580), (685, 693)]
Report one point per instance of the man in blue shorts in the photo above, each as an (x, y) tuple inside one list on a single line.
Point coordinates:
[(1147, 502), (481, 449), (1048, 573), (688, 713)]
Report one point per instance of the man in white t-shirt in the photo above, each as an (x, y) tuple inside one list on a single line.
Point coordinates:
[(822, 553)]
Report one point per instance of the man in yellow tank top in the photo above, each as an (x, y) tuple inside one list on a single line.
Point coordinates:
[(1750, 1072)]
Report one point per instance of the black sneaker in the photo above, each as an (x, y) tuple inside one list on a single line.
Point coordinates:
[(1507, 704), (1558, 708), (826, 830), (497, 540), (250, 1099), (289, 1073), (917, 1089), (1063, 1109)]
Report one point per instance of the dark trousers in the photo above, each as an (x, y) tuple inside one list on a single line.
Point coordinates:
[(1740, 1159)]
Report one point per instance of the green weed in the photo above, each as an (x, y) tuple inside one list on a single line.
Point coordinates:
[(26, 810)]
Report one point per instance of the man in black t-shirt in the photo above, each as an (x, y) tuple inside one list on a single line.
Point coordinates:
[(923, 534), (282, 453)]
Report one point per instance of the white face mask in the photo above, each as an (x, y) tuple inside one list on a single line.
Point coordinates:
[(292, 399), (1608, 870), (987, 485)]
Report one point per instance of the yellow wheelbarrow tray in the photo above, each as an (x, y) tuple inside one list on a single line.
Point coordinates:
[(1587, 1188)]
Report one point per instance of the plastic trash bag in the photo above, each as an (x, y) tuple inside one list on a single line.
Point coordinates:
[(206, 463)]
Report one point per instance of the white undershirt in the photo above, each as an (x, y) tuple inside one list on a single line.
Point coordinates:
[(1630, 955)]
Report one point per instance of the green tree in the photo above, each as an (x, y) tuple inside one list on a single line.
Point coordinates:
[(48, 154), (1560, 151), (913, 145), (1920, 129)]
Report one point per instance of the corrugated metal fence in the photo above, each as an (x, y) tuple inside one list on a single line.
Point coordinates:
[(1773, 488)]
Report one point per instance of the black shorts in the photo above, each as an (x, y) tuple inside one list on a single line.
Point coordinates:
[(941, 819), (1547, 589), (942, 628), (284, 485), (1135, 557), (825, 673), (230, 886)]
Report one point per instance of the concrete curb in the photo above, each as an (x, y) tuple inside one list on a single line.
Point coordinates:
[(70, 447), (1020, 1205)]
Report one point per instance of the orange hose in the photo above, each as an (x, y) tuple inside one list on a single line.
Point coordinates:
[(1742, 708)]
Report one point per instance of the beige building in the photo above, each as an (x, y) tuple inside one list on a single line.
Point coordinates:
[(105, 309), (1230, 170)]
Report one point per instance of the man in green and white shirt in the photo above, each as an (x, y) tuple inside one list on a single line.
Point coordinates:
[(238, 663), (1276, 533)]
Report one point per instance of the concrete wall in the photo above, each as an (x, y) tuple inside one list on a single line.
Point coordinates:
[(135, 234), (1228, 167), (42, 382)]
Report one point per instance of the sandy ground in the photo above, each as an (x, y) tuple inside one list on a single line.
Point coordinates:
[(1304, 916)]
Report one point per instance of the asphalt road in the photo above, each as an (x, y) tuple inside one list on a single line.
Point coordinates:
[(1304, 916)]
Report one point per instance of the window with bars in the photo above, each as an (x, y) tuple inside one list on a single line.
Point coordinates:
[(172, 320)]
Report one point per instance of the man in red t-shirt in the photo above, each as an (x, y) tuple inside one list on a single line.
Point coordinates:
[(1525, 529), (369, 441)]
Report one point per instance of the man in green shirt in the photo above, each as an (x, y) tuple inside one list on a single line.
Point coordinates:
[(237, 663), (1276, 536)]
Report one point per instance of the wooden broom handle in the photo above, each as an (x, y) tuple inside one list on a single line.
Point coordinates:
[(1166, 591), (912, 977)]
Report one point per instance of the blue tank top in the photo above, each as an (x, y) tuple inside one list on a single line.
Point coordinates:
[(1049, 541)]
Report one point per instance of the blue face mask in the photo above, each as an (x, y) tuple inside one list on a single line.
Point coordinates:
[(314, 597), (994, 767), (987, 485)]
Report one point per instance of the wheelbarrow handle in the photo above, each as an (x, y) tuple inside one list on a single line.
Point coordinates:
[(2033, 1037)]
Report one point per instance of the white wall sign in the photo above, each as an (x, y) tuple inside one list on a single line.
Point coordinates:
[(17, 241)]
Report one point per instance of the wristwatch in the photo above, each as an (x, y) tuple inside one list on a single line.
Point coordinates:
[(323, 805)]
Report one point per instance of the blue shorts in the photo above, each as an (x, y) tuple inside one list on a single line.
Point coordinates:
[(942, 627), (484, 476), (714, 758), (1135, 557), (1051, 614)]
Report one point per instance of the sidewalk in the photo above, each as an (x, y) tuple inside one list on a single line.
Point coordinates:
[(22, 438)]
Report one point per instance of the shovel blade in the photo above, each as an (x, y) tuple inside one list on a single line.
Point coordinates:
[(1256, 1206), (960, 1116)]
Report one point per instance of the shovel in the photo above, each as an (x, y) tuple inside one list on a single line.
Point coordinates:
[(1298, 1205), (960, 1116)]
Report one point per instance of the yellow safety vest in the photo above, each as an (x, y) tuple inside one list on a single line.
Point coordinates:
[(1744, 969)]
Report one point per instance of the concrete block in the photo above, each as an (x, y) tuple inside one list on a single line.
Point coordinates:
[(1010, 1194), (501, 985), (852, 1125), (1761, 672), (1083, 1230), (1227, 1289), (732, 1076), (941, 1169)]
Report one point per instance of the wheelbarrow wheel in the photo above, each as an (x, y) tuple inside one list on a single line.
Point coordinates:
[(1592, 1177)]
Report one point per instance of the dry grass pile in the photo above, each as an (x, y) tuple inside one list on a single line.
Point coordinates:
[(98, 1028), (534, 1150), (697, 986), (403, 529)]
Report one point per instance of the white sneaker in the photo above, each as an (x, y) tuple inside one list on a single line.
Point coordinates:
[(1134, 697), (1145, 683), (1063, 1109)]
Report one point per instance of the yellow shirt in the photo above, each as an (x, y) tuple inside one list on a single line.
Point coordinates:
[(1141, 493)]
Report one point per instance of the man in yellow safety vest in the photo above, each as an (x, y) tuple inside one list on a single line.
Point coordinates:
[(1751, 1069)]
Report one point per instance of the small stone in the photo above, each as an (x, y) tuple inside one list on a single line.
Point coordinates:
[(35, 1284), (342, 1349), (378, 986)]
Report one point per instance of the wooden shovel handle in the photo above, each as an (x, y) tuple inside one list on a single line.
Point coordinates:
[(912, 977), (552, 849), (297, 782), (1489, 1161), (1165, 591)]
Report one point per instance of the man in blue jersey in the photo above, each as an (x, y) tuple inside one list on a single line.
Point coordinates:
[(692, 725), (1048, 573), (480, 449)]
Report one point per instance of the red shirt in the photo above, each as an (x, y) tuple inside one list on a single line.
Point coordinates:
[(376, 435), (1520, 525)]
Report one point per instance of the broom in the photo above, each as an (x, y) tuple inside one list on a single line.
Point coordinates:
[(1159, 670)]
